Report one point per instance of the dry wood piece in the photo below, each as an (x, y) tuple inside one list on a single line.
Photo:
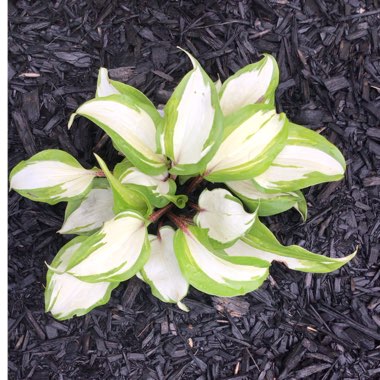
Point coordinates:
[(130, 294), (24, 132), (122, 74), (336, 84), (236, 307), (77, 59), (371, 181), (36, 327)]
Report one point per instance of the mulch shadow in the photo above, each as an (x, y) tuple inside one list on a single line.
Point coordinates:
[(297, 326)]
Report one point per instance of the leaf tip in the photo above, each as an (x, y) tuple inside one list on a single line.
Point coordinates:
[(352, 255), (100, 161), (182, 306), (55, 270), (71, 120), (192, 59)]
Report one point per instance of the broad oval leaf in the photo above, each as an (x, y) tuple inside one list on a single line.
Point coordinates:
[(115, 253), (262, 244), (51, 176), (65, 295), (307, 159), (223, 216), (162, 271), (252, 138), (192, 122), (131, 126), (213, 271), (268, 204), (255, 83), (84, 216)]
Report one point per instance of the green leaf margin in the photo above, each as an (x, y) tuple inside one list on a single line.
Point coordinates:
[(302, 136), (263, 161), (48, 290), (171, 116), (45, 194), (197, 278)]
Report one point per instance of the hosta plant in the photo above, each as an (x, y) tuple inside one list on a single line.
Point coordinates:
[(182, 207)]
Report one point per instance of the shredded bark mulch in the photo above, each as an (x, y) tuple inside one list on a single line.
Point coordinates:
[(297, 326)]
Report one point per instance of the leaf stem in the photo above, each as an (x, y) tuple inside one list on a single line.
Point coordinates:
[(194, 184), (161, 212), (178, 221), (195, 207)]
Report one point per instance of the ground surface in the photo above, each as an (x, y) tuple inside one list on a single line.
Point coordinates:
[(296, 326)]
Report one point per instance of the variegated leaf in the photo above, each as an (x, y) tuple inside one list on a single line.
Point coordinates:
[(252, 138), (162, 271), (106, 87), (262, 244), (88, 214), (268, 204), (306, 159), (160, 190), (213, 271), (115, 253), (65, 295), (131, 125), (51, 176), (223, 216), (255, 83), (192, 122), (155, 188)]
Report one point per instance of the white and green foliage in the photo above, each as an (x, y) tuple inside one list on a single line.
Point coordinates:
[(223, 215), (51, 176), (87, 214), (162, 271), (255, 161), (66, 295)]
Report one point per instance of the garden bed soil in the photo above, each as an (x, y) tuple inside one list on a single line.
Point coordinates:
[(297, 326)]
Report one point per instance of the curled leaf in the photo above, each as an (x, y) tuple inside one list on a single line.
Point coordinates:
[(223, 216), (268, 203), (157, 189), (125, 198)]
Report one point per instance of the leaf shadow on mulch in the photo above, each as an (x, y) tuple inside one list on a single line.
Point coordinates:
[(297, 325)]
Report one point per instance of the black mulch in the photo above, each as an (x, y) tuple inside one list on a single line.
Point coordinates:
[(296, 326)]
